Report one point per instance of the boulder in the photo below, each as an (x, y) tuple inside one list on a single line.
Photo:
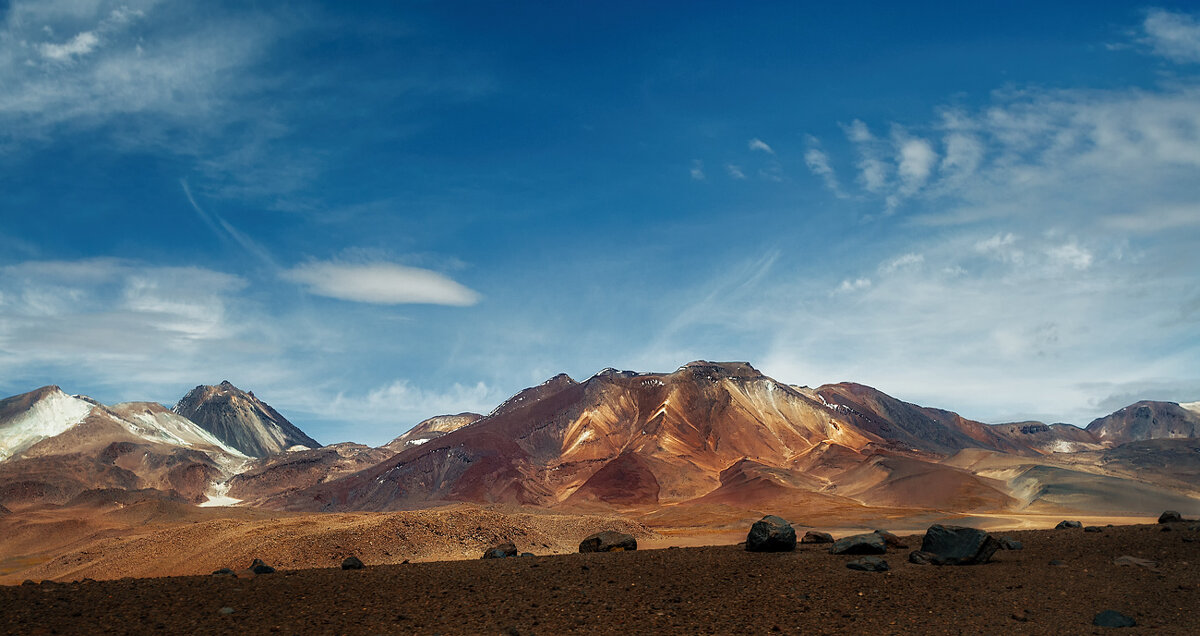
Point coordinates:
[(869, 543), (814, 536), (352, 563), (891, 540), (1093, 529), (608, 541), (258, 567), (957, 545), (1170, 516), (869, 564), (771, 534), (1068, 524), (224, 572), (1113, 618), (500, 551)]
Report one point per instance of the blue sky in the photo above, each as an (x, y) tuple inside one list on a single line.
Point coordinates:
[(373, 214)]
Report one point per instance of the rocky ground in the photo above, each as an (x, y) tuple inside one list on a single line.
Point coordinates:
[(1055, 585)]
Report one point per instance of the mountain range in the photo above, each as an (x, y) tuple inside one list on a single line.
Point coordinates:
[(707, 441)]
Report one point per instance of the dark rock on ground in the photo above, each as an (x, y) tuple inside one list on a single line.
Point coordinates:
[(1093, 529), (608, 541), (1113, 618), (891, 540), (869, 564), (500, 551), (870, 543), (1058, 563), (957, 545), (258, 567), (525, 554), (921, 558), (1007, 543), (1068, 524), (1170, 516), (816, 536), (771, 534), (352, 563), (224, 572)]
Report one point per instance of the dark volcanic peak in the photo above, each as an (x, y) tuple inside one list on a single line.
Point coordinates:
[(1146, 420), (715, 370), (241, 420)]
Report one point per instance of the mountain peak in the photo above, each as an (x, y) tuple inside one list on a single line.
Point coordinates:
[(241, 420), (733, 370)]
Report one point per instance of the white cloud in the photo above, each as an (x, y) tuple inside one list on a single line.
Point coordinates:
[(79, 45), (108, 70), (854, 285), (697, 170), (1071, 255), (380, 283), (122, 321), (916, 159), (818, 163), (858, 132), (1175, 36), (735, 171), (904, 261), (758, 144)]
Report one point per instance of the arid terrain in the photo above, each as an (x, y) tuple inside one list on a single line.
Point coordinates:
[(1055, 585), (122, 513)]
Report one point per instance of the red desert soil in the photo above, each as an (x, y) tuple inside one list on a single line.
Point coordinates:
[(707, 590)]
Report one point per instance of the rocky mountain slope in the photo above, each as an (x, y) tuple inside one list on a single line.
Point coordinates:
[(712, 441), (431, 428), (56, 446), (241, 420), (1146, 420), (723, 434)]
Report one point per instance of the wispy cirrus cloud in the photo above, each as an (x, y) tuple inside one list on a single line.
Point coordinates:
[(381, 283)]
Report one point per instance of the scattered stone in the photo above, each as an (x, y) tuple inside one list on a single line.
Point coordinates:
[(816, 536), (1021, 616), (608, 541), (1132, 560), (1113, 618), (525, 554), (1170, 516), (869, 564), (921, 558), (1068, 524), (1058, 564), (869, 543), (1093, 529), (226, 610), (258, 567), (891, 540), (352, 563), (500, 551), (958, 545), (224, 572), (771, 534), (28, 582), (1007, 543)]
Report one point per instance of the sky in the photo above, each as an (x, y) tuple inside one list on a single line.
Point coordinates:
[(372, 213)]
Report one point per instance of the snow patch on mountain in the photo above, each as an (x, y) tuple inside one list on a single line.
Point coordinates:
[(52, 415)]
